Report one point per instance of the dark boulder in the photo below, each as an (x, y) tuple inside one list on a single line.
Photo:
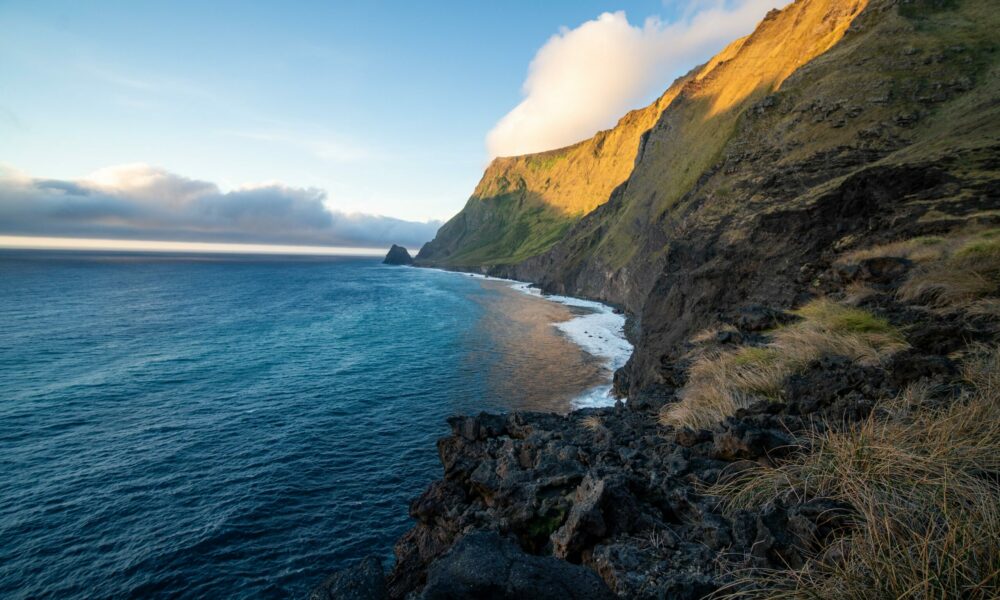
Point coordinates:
[(363, 581), (398, 255), (755, 317), (489, 567), (878, 269), (884, 269)]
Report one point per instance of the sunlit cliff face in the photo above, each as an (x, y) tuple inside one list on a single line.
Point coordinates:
[(583, 79), (577, 179), (765, 59)]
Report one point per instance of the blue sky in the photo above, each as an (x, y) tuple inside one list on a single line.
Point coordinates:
[(385, 107)]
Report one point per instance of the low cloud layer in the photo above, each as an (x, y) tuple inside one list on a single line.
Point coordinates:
[(582, 80), (143, 202)]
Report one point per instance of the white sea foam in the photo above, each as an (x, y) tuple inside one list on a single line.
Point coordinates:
[(600, 332)]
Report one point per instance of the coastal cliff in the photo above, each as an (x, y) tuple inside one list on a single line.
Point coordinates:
[(805, 235), (834, 125)]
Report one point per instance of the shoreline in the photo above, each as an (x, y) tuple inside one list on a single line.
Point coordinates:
[(599, 333)]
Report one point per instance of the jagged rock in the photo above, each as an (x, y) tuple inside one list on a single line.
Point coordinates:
[(586, 519), (884, 269), (878, 269), (398, 255), (911, 366), (745, 440), (486, 566), (688, 437), (363, 581), (837, 387)]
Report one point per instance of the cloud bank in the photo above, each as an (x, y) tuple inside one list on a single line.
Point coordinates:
[(583, 80), (142, 202)]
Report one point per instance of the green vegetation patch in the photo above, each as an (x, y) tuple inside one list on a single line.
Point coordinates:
[(980, 249), (839, 319), (504, 229), (755, 356), (544, 162)]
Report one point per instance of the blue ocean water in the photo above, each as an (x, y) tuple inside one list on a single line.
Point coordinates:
[(199, 426)]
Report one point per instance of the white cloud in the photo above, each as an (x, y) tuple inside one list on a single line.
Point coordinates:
[(584, 79), (138, 201)]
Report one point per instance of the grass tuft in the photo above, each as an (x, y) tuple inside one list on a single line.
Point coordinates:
[(924, 484), (916, 249), (953, 272), (964, 275)]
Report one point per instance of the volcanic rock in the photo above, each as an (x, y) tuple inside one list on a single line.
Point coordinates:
[(398, 255)]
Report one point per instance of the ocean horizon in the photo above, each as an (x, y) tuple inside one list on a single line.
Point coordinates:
[(243, 425)]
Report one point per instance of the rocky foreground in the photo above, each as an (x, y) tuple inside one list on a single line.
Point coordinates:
[(611, 502)]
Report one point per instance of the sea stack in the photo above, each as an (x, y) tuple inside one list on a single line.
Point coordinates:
[(398, 255)]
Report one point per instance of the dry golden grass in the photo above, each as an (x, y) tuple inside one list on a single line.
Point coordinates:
[(592, 422), (711, 333), (857, 292), (956, 271), (916, 249), (924, 484), (985, 307), (720, 383), (967, 273)]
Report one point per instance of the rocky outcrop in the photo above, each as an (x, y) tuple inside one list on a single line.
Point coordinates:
[(398, 255), (486, 565), (526, 497)]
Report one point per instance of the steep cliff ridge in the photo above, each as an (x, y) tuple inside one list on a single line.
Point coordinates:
[(525, 204), (891, 133), (616, 254)]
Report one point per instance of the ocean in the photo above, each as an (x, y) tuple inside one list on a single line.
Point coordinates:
[(242, 426)]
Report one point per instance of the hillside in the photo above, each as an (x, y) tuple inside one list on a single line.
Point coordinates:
[(525, 204), (823, 98), (807, 249)]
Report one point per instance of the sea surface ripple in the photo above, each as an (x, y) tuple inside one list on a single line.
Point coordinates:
[(198, 426)]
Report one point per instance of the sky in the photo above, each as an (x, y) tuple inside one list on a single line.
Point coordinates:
[(311, 123)]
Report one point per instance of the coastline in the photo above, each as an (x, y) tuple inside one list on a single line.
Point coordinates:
[(613, 500), (599, 332)]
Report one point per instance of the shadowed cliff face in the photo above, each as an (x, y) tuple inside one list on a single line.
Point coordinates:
[(835, 124)]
